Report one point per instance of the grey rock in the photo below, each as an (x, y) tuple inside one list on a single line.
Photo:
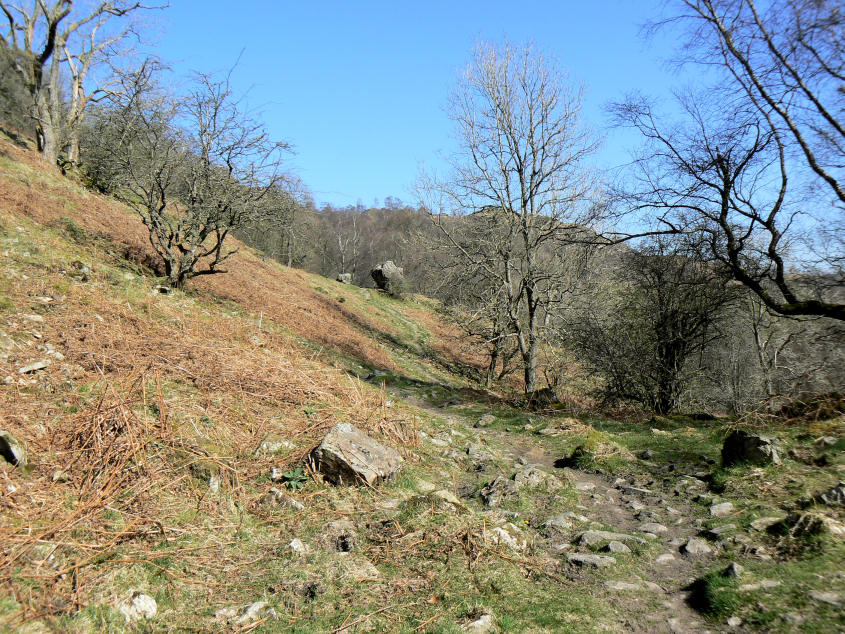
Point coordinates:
[(765, 584), (831, 598), (481, 625), (137, 606), (299, 547), (533, 478), (347, 455), (11, 449), (616, 547), (497, 491), (585, 486), (763, 523), (835, 496), (742, 446), (718, 532), (277, 497), (486, 420), (35, 366), (79, 271), (734, 621), (733, 570), (344, 278), (653, 527), (247, 614), (665, 558), (696, 546), (721, 510), (590, 561), (593, 537), (559, 523), (273, 444)]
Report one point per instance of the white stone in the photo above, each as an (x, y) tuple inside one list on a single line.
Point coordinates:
[(137, 606)]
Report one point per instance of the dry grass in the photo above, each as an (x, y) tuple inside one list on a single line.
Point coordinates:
[(147, 386)]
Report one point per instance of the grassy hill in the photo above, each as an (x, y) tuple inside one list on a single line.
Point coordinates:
[(153, 422)]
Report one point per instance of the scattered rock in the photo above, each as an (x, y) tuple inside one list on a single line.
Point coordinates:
[(247, 614), (593, 537), (497, 491), (721, 510), (484, 421), (35, 366), (765, 584), (831, 598), (79, 271), (508, 535), (764, 523), (665, 558), (591, 561), (278, 497), (137, 606), (616, 548), (481, 625), (357, 568), (718, 532), (558, 523), (744, 446), (808, 524), (733, 570), (161, 289), (299, 547), (344, 278), (835, 496), (696, 546), (533, 478), (734, 621), (60, 476), (273, 444), (347, 455), (653, 527), (11, 449), (584, 486)]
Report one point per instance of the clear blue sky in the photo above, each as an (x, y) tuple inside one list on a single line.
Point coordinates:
[(358, 87)]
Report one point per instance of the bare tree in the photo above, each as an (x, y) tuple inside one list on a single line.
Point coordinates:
[(756, 173), (194, 168), (39, 38), (520, 168)]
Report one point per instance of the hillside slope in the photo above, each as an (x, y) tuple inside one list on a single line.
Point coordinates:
[(153, 424)]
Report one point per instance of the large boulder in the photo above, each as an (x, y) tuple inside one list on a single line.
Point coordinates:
[(344, 278), (348, 456), (744, 446), (388, 277)]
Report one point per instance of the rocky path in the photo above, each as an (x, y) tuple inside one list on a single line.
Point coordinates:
[(633, 508), (657, 518)]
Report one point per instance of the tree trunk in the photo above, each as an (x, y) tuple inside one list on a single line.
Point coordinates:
[(491, 366)]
